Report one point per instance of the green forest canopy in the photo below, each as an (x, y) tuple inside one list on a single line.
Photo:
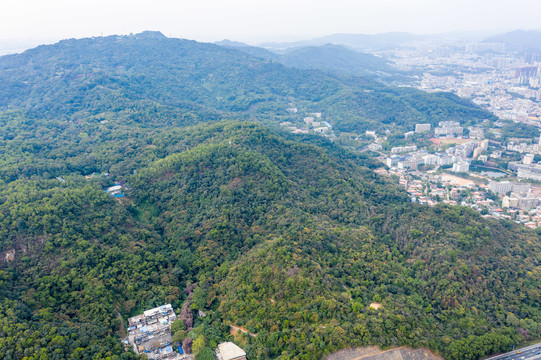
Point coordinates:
[(250, 216), (289, 236)]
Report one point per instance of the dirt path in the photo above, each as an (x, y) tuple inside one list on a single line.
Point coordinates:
[(235, 329), (393, 354)]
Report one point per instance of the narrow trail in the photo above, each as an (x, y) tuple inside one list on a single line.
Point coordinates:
[(235, 329)]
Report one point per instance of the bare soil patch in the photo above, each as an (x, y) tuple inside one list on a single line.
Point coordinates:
[(374, 353)]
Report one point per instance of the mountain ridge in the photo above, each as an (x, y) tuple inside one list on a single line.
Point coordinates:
[(142, 76)]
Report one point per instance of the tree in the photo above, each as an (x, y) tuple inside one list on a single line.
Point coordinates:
[(177, 325), (205, 354), (199, 344), (187, 345), (179, 336)]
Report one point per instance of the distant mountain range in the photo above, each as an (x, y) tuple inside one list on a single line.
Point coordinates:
[(397, 40), (357, 41), (519, 40)]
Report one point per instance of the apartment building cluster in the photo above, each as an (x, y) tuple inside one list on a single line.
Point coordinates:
[(458, 156), (514, 200), (506, 83), (312, 123), (150, 333), (448, 128)]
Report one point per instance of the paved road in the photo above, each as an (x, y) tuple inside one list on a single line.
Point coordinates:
[(527, 353)]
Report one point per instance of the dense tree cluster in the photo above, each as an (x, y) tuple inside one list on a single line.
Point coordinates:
[(290, 239)]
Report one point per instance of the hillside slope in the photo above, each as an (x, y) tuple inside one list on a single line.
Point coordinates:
[(358, 41), (296, 243), (289, 239), (337, 58)]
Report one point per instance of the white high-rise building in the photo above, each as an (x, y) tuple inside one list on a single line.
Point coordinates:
[(500, 188), (528, 159), (461, 166)]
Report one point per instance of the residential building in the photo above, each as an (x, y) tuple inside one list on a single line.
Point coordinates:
[(404, 164), (523, 201), (461, 166), (447, 128), (419, 128), (500, 188), (403, 149), (375, 147), (430, 159), (484, 144), (392, 161), (321, 130), (528, 159), (476, 132), (477, 152), (521, 187), (446, 160), (532, 172)]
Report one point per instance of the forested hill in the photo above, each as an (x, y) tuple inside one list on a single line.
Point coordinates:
[(290, 237), (329, 57), (152, 80), (337, 58)]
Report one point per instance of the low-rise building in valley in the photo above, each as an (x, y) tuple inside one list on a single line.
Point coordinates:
[(150, 333)]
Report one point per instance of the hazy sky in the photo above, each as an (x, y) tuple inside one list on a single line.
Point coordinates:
[(253, 20)]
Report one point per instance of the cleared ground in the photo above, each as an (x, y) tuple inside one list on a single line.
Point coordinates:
[(374, 353)]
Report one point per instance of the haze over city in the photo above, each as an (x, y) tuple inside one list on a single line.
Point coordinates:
[(278, 20)]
